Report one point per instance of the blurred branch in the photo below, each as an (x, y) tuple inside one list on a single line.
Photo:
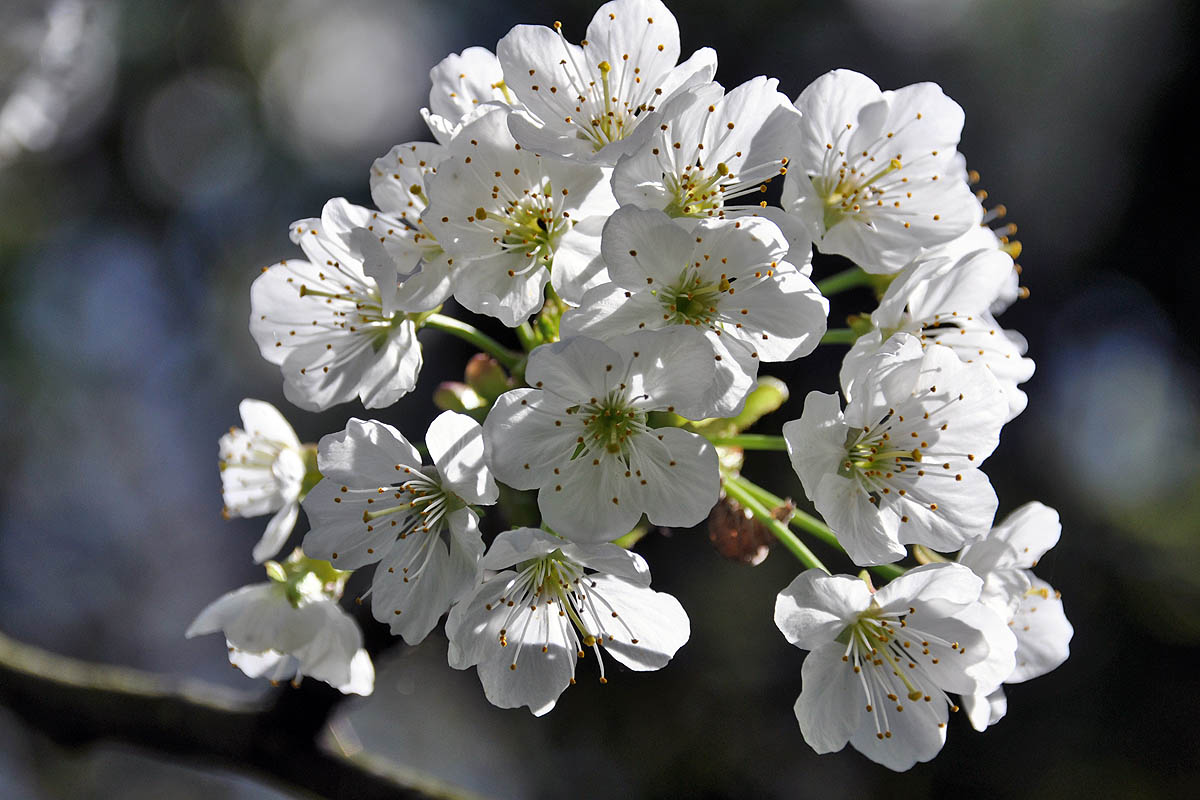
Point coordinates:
[(77, 703)]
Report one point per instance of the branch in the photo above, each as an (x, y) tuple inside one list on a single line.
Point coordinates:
[(77, 702)]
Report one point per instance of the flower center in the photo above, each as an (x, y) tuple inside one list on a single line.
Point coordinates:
[(851, 190), (550, 591), (529, 225), (889, 656), (610, 424), (693, 299), (697, 192), (871, 454), (304, 580), (422, 503)]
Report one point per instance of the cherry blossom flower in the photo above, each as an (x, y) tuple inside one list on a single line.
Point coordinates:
[(378, 502), (582, 438), (463, 87), (1033, 609), (726, 278), (262, 470), (527, 626), (292, 626), (511, 221), (900, 465), (881, 664), (328, 325), (875, 175), (945, 302), (707, 148), (397, 248), (587, 101)]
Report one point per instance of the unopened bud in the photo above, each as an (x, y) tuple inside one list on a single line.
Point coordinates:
[(485, 375), (454, 396)]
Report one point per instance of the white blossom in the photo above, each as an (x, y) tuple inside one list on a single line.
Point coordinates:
[(379, 503), (511, 221), (334, 334), (900, 465), (945, 302), (292, 626), (881, 664), (1033, 609), (581, 435), (526, 626), (707, 148), (397, 247), (875, 175), (726, 278), (262, 470), (587, 101), (463, 87)]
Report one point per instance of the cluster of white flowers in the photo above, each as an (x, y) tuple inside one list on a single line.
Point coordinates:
[(601, 200)]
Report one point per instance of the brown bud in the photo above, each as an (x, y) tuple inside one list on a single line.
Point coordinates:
[(736, 535)]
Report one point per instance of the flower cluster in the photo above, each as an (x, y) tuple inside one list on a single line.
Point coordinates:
[(602, 201)]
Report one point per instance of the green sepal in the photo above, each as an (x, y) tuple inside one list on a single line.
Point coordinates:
[(768, 396), (312, 475)]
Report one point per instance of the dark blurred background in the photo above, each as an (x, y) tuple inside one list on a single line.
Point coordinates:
[(152, 153)]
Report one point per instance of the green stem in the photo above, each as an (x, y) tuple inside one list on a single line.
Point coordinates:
[(841, 281), (814, 526), (751, 441), (735, 489), (526, 335), (840, 336), (475, 336)]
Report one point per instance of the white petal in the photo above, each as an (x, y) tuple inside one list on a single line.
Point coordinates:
[(984, 658), (638, 244), (869, 537), (394, 174), (568, 368), (362, 675), (815, 607), (277, 532), (520, 544), (831, 702), (984, 710), (457, 447), (643, 628), (525, 443), (463, 81), (591, 502), (816, 442), (680, 480), (364, 448), (1018, 542), (418, 580), (339, 533), (918, 734), (1043, 633), (945, 583), (334, 641), (262, 419), (675, 364), (610, 559), (539, 677), (270, 664), (228, 607), (735, 373)]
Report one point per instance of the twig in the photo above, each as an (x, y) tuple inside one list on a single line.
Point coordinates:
[(77, 702)]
